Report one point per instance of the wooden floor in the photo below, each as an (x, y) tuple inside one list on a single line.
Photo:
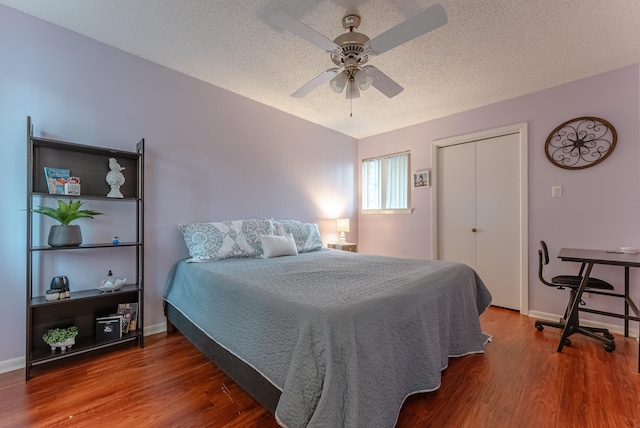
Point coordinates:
[(520, 381)]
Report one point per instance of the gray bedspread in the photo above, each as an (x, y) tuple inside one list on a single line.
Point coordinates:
[(346, 337)]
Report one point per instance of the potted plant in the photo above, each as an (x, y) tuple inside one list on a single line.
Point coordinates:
[(65, 234), (62, 338)]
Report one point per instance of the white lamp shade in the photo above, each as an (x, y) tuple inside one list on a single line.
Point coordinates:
[(352, 90), (363, 79), (339, 82), (343, 224)]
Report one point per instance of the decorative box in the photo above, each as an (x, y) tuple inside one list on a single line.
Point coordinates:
[(108, 328)]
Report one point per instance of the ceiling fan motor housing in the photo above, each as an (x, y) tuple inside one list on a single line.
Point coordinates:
[(351, 44)]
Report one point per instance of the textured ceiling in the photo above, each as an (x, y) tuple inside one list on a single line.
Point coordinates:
[(490, 50)]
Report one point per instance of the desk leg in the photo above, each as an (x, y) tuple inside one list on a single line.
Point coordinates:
[(568, 328), (626, 301)]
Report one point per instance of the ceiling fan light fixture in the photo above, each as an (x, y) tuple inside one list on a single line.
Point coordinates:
[(339, 82), (352, 90), (363, 79)]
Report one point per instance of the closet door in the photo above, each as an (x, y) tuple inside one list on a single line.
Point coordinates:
[(456, 203), (498, 218), (478, 212)]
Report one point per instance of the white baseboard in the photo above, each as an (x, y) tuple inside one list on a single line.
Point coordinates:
[(12, 364), (155, 329), (618, 329), (19, 362)]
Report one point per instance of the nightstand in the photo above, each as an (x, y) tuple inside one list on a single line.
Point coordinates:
[(347, 246)]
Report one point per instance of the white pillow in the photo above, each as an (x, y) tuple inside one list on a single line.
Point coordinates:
[(276, 246)]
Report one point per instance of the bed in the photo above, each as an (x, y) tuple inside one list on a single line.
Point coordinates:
[(329, 338)]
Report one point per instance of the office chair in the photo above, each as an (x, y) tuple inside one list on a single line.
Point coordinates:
[(572, 282)]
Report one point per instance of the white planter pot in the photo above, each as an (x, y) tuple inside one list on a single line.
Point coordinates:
[(64, 345)]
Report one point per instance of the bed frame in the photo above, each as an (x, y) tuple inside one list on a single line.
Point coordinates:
[(240, 372)]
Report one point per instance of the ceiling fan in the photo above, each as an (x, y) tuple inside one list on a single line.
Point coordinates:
[(351, 50)]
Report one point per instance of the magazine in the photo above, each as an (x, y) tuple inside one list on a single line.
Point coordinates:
[(129, 311), (56, 179)]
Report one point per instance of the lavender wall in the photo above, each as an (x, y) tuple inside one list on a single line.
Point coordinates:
[(211, 155), (599, 207)]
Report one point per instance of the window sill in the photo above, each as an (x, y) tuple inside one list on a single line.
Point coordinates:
[(403, 211)]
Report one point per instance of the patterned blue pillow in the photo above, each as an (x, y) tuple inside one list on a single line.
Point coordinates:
[(306, 235), (222, 240)]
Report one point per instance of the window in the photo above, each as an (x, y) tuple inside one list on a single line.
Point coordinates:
[(385, 183)]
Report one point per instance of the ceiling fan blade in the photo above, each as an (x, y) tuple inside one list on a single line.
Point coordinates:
[(382, 82), (321, 78), (428, 20), (287, 22)]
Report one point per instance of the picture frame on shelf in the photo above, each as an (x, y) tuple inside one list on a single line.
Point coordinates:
[(72, 186)]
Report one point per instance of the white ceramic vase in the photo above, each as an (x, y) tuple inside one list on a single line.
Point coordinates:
[(64, 345)]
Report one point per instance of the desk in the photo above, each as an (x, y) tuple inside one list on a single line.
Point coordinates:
[(592, 257)]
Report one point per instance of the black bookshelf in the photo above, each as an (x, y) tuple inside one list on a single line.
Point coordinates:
[(83, 306)]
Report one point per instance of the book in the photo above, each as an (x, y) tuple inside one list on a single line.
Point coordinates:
[(129, 311), (56, 179)]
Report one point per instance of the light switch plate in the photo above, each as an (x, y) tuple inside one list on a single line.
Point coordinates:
[(556, 191)]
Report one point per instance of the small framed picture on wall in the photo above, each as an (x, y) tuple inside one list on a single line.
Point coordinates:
[(421, 179)]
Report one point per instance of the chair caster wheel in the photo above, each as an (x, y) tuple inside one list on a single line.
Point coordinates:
[(610, 348), (567, 342), (540, 327)]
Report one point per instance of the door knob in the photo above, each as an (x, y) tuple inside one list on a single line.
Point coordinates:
[(474, 230)]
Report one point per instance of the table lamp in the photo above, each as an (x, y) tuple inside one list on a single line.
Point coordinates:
[(343, 226)]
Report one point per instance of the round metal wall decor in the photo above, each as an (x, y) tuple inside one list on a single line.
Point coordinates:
[(580, 143)]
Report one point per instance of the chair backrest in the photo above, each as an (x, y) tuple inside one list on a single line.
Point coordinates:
[(543, 259), (545, 252)]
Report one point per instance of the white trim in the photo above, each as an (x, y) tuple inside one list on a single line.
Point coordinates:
[(19, 363), (522, 130), (12, 364), (155, 329)]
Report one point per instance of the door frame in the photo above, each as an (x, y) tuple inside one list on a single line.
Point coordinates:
[(522, 131)]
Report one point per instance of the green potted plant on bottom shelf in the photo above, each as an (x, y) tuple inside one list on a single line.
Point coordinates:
[(65, 234), (62, 338)]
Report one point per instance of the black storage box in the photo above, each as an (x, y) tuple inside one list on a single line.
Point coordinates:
[(108, 328)]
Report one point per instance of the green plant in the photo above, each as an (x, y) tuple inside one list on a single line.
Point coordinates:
[(66, 213), (56, 335)]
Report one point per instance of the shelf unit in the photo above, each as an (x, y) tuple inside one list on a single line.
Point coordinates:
[(84, 306)]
